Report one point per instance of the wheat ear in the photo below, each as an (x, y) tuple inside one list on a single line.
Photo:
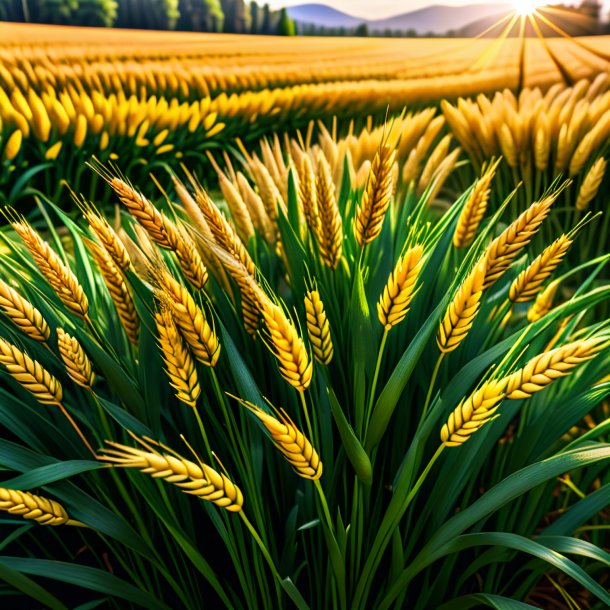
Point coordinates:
[(23, 314), (541, 370), (30, 506), (529, 282), (318, 328), (590, 184), (543, 303), (473, 413), (238, 207), (287, 347), (307, 193), (399, 290), (179, 364), (290, 441), (109, 239), (76, 362), (503, 250), (30, 374), (330, 234), (189, 318), (376, 197), (462, 310), (474, 209), (58, 275), (119, 292), (196, 479)]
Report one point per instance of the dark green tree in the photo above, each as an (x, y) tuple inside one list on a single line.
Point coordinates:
[(362, 30), (254, 18), (199, 15), (266, 26), (285, 26)]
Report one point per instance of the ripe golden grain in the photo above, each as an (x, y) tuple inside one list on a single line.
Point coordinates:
[(543, 303), (291, 442), (29, 506), (238, 207), (58, 275), (287, 347), (109, 239), (330, 235), (119, 292), (474, 209), (590, 185), (529, 282), (189, 318), (76, 362), (376, 197), (543, 369), (318, 328), (23, 314), (399, 290), (179, 364), (503, 250), (473, 413), (462, 310), (308, 195), (196, 479), (30, 374)]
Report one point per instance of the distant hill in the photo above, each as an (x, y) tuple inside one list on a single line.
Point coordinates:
[(437, 19), (322, 15)]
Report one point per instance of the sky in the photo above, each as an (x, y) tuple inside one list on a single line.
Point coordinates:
[(379, 9)]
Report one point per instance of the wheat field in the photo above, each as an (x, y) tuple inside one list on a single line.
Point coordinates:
[(310, 322)]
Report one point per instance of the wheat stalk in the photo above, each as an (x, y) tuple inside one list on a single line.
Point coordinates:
[(118, 290), (318, 328), (399, 290), (541, 370), (189, 318), (196, 479), (462, 310), (370, 214), (474, 209), (528, 283), (503, 250), (591, 183), (58, 275), (30, 506), (76, 362), (473, 413), (330, 234), (23, 314), (179, 364), (543, 303), (290, 441)]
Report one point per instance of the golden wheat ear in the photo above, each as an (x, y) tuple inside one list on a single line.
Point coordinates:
[(30, 506), (318, 328), (196, 479), (543, 369), (289, 440), (400, 288), (473, 413), (23, 314), (76, 362)]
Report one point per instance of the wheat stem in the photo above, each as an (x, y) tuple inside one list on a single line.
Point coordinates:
[(382, 345), (78, 430), (435, 371)]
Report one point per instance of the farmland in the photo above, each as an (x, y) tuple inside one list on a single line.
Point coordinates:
[(303, 322)]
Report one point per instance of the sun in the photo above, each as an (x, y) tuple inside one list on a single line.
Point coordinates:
[(526, 7)]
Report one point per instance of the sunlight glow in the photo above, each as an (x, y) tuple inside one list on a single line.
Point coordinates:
[(527, 7)]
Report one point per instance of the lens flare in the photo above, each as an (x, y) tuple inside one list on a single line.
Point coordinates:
[(526, 7)]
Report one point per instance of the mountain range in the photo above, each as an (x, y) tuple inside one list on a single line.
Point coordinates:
[(437, 19)]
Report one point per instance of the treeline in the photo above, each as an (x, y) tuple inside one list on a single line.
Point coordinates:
[(231, 16)]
